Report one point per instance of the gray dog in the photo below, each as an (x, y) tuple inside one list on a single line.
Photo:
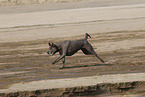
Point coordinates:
[(68, 48)]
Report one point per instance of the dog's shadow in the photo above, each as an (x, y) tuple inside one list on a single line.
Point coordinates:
[(80, 66)]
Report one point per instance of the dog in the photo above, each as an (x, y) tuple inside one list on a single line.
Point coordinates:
[(68, 48)]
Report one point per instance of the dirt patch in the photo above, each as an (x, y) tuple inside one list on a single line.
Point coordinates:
[(30, 58)]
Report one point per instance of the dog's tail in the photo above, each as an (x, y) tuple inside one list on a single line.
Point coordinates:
[(86, 37)]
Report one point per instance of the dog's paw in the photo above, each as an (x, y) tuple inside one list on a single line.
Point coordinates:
[(61, 68), (53, 63)]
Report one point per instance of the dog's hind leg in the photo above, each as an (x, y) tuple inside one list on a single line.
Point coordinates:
[(86, 52), (94, 53), (89, 50)]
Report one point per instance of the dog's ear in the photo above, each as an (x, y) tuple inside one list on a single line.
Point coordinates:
[(51, 44)]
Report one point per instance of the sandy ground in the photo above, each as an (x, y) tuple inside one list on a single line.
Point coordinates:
[(70, 5), (51, 2), (75, 82), (118, 38), (100, 19), (29, 2)]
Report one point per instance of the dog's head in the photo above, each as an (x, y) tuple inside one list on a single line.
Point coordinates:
[(52, 49)]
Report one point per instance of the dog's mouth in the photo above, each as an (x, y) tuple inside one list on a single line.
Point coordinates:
[(50, 54)]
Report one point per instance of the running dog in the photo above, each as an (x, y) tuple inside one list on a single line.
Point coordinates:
[(68, 48)]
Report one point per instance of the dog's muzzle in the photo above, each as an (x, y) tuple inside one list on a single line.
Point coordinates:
[(50, 54)]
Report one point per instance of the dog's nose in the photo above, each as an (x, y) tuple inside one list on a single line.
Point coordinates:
[(49, 53)]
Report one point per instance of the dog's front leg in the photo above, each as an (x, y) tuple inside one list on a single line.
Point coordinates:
[(62, 56), (64, 52), (63, 62)]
